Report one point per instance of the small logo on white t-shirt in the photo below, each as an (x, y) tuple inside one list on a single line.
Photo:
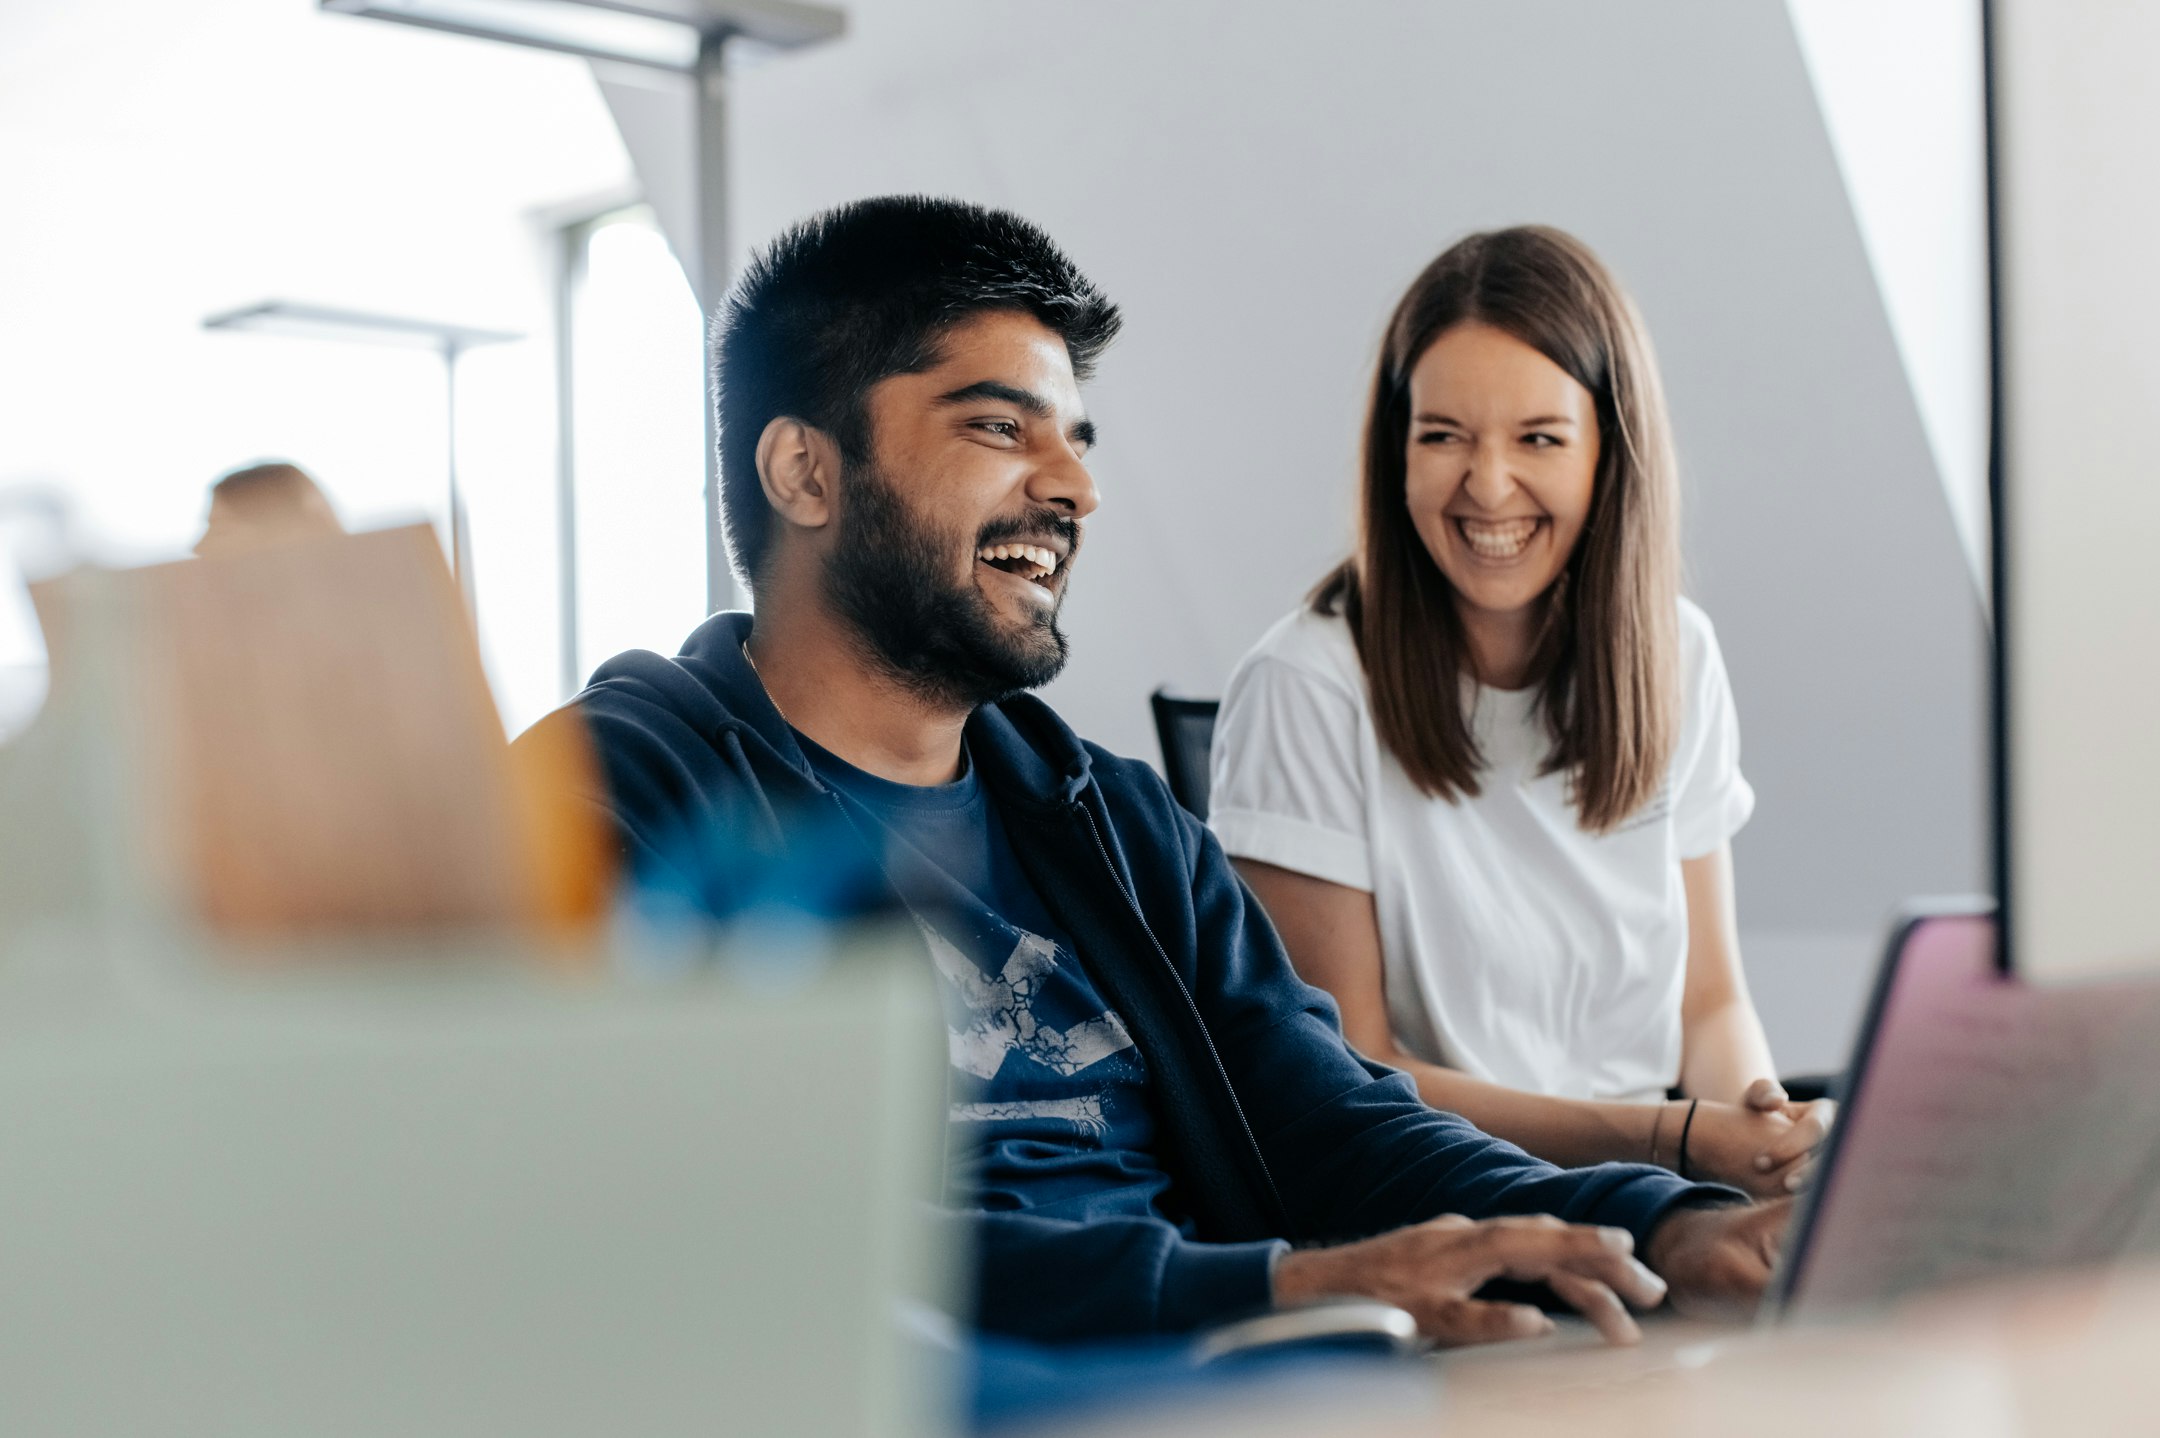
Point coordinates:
[(1657, 811)]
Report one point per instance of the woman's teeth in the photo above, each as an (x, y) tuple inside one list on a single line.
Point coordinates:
[(1498, 538)]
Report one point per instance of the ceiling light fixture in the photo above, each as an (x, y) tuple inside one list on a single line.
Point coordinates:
[(689, 38)]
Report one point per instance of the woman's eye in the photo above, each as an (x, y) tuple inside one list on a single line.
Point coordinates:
[(1438, 436), (1541, 441)]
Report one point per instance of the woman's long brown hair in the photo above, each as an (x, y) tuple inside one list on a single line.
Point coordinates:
[(1606, 665)]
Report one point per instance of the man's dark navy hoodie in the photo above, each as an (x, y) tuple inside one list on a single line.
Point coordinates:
[(1271, 1128)]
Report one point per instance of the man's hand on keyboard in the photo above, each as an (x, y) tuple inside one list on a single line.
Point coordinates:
[(1433, 1269)]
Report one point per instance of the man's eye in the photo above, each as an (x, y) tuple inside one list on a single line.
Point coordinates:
[(1003, 428)]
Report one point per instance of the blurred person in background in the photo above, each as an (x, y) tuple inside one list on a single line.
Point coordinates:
[(1155, 1125), (265, 504), (1486, 779)]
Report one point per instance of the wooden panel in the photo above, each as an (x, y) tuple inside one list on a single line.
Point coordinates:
[(326, 754)]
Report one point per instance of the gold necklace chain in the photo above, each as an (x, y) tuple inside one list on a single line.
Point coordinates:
[(764, 686)]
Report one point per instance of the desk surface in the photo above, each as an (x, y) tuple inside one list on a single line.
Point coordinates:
[(2062, 1356), (2065, 1356)]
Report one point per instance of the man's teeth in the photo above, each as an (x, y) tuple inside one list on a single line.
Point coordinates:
[(1498, 539), (1044, 562)]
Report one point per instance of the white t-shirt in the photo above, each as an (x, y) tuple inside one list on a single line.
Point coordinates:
[(1517, 947)]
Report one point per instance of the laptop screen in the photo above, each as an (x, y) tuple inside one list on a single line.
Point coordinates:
[(1990, 1128)]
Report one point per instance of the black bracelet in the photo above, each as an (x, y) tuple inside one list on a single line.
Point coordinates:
[(1684, 1133)]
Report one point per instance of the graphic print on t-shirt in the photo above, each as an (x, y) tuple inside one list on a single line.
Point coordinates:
[(1015, 1011), (1049, 1109)]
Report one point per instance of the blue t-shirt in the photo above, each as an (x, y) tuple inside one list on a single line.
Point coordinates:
[(1051, 1112)]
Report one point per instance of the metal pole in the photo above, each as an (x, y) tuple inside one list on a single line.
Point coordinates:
[(571, 259), (460, 540), (712, 279)]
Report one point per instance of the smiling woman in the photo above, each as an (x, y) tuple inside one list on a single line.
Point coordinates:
[(1500, 475), (1485, 782)]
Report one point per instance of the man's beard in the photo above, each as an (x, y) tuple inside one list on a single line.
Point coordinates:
[(887, 575)]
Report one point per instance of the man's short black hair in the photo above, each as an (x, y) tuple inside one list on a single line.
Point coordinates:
[(859, 294)]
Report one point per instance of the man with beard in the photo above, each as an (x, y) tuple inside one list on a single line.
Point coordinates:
[(1156, 1125)]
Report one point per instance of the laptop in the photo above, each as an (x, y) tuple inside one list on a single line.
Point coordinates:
[(1988, 1129)]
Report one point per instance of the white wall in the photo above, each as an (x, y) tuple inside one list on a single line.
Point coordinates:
[(1256, 182), (1903, 98)]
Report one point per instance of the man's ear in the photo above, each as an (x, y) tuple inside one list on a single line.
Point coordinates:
[(798, 466)]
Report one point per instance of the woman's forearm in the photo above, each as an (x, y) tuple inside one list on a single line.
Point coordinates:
[(1569, 1132), (1723, 1051), (1722, 1047)]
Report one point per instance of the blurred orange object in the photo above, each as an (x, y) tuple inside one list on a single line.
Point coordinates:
[(306, 742), (573, 860)]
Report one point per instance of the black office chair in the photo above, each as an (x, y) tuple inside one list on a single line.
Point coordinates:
[(1185, 728), (1806, 1088)]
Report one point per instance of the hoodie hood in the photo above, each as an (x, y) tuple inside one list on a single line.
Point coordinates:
[(712, 659)]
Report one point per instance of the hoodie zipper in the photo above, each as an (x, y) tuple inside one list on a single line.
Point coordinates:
[(1206, 1038)]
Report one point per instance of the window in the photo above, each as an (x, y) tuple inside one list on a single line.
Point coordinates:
[(28, 517), (633, 351)]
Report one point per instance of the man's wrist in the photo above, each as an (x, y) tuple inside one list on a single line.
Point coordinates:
[(1290, 1277), (1672, 1231), (1303, 1275)]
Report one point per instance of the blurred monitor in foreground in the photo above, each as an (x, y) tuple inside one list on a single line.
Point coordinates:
[(367, 1206), (2074, 122)]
